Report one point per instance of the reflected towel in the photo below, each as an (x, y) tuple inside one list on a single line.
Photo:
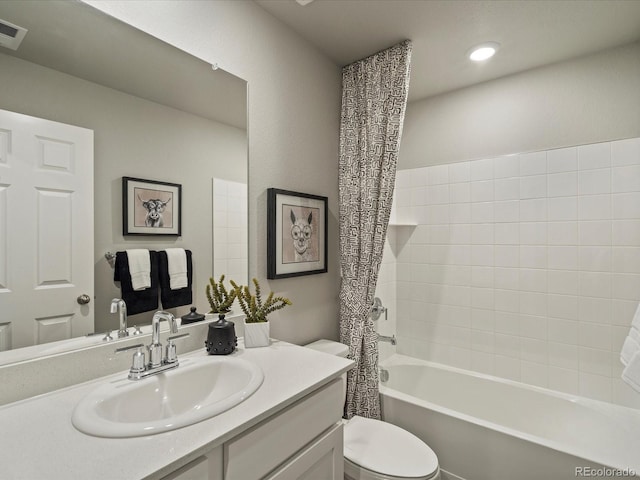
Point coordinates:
[(631, 373), (139, 268), (630, 354), (177, 267)]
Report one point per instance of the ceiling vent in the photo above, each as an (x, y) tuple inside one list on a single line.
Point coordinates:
[(11, 35)]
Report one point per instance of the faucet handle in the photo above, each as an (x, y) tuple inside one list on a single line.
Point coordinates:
[(137, 362), (175, 337), (171, 354)]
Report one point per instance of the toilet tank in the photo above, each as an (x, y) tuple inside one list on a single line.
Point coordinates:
[(333, 348)]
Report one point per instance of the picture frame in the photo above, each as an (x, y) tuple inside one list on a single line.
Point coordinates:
[(151, 207), (296, 234)]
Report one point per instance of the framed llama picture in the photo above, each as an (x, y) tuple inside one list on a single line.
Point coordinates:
[(150, 207), (296, 234)]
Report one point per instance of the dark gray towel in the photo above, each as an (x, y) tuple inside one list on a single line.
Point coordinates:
[(174, 298), (138, 301)]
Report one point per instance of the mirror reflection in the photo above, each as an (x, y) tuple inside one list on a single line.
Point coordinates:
[(106, 101)]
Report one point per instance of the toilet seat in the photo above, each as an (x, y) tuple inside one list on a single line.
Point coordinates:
[(387, 450)]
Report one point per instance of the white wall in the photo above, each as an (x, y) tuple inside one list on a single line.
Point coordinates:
[(590, 99), (294, 114), (137, 138), (525, 266)]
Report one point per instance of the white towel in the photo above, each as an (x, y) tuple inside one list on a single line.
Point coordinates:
[(177, 267), (631, 373), (139, 268)]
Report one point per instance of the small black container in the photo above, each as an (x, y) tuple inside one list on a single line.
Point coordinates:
[(221, 339), (192, 317)]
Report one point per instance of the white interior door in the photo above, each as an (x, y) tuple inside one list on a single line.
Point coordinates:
[(46, 230)]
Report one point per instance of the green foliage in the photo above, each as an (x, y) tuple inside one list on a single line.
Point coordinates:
[(253, 307), (220, 299)]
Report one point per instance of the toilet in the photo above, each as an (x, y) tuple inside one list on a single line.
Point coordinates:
[(376, 450)]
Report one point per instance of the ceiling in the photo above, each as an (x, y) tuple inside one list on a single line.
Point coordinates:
[(531, 33), (86, 43)]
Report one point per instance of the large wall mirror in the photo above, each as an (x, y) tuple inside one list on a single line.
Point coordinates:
[(144, 109)]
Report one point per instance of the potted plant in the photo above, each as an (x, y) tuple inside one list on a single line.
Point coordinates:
[(220, 299), (256, 323)]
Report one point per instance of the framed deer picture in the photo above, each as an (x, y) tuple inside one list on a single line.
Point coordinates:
[(296, 234), (150, 207)]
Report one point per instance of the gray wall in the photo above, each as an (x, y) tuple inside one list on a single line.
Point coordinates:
[(294, 115), (587, 100), (137, 138)]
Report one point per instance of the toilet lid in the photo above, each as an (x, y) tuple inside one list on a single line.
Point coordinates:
[(387, 449)]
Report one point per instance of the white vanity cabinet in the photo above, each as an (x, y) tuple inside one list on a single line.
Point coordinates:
[(302, 441)]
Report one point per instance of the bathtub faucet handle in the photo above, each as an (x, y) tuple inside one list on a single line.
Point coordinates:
[(377, 308)]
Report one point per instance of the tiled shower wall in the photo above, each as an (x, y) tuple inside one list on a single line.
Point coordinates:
[(525, 267)]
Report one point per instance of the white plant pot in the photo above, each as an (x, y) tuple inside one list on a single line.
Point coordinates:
[(256, 334)]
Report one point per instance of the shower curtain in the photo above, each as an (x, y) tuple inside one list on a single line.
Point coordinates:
[(374, 98)]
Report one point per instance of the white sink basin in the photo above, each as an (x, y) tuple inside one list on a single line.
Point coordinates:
[(200, 388)]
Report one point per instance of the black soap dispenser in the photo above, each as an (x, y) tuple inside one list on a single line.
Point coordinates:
[(221, 339)]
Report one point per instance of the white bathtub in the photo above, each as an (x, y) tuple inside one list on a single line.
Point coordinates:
[(487, 428)]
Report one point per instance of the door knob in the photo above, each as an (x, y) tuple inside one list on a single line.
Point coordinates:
[(83, 299)]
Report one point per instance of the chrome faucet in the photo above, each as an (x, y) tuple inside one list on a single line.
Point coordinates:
[(157, 363), (118, 305)]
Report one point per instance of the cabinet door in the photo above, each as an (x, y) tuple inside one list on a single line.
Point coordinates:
[(321, 460)]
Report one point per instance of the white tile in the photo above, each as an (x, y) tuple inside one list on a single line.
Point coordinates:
[(438, 175), (482, 341), (626, 232), (403, 178), (595, 284), (482, 212), (563, 331), (533, 163), (534, 186), (533, 280), (563, 258), (533, 233), (562, 208), (626, 286), (507, 322), (626, 259), (562, 282), (459, 234), (507, 367), (533, 350), (595, 259), (482, 319), (482, 276), (562, 160), (562, 306), (508, 211), (435, 214), (594, 207), (482, 233), (564, 380), (562, 184), (597, 387), (595, 310), (460, 254), (533, 210), (507, 256), (593, 182), (594, 335), (459, 172), (460, 213), (482, 191), (534, 374), (482, 169), (482, 362), (482, 255), (533, 327), (625, 152), (418, 196), (438, 234), (532, 256), (597, 155), (507, 189), (562, 233), (532, 303), (507, 234), (460, 192), (626, 205), (507, 345), (418, 176), (506, 301), (438, 195), (625, 179), (595, 233), (563, 355), (507, 166), (622, 312), (506, 278)]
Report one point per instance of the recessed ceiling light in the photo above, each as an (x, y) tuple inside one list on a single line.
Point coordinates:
[(304, 2), (484, 51)]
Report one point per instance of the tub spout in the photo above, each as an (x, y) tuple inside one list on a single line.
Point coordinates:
[(384, 338)]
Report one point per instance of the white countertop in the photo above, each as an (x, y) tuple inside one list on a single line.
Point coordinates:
[(39, 441)]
